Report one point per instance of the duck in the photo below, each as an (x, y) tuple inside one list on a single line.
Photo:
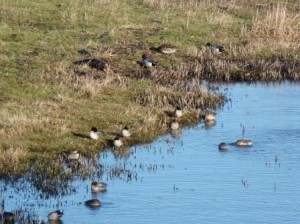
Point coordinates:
[(174, 125), (8, 217), (98, 186), (117, 142), (93, 203), (209, 116), (94, 133), (178, 112), (125, 132), (148, 61), (99, 64), (165, 49), (215, 48), (243, 142), (223, 146), (73, 155), (55, 215)]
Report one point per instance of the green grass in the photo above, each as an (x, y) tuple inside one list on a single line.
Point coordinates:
[(43, 101)]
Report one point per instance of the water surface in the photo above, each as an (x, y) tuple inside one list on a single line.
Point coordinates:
[(185, 179)]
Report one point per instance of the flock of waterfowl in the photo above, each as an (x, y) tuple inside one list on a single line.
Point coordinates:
[(96, 187), (146, 62), (209, 117), (117, 141)]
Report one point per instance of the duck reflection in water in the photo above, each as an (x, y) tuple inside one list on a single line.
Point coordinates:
[(98, 187), (93, 203), (54, 222), (55, 215), (175, 133), (209, 123)]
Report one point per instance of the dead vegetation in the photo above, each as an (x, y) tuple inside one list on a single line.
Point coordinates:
[(12, 161)]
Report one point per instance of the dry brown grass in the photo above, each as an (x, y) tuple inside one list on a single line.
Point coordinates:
[(12, 161), (162, 97), (278, 23)]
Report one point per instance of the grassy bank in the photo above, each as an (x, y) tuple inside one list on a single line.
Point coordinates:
[(46, 102)]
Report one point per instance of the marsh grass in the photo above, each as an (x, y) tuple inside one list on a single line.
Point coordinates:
[(47, 102), (13, 161)]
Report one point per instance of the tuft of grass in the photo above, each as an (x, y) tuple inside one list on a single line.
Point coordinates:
[(13, 161)]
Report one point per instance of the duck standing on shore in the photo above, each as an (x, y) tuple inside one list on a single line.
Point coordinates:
[(215, 48), (94, 133), (148, 61), (125, 132), (117, 141), (165, 49), (178, 112)]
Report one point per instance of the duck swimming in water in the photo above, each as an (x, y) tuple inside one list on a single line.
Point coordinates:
[(98, 187), (243, 142), (56, 215), (93, 203), (223, 146), (209, 116)]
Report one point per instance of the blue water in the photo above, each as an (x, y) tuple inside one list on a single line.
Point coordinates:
[(186, 179)]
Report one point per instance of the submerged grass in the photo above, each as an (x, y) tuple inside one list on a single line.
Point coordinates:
[(47, 102)]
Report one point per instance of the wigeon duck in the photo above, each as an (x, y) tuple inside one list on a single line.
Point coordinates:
[(56, 215), (93, 203), (165, 49), (147, 61), (223, 146), (215, 48), (98, 186), (8, 217), (209, 116), (244, 142)]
